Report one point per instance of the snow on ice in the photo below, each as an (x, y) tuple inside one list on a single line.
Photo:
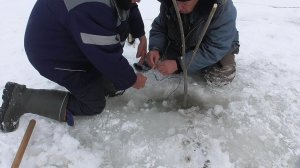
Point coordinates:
[(253, 122)]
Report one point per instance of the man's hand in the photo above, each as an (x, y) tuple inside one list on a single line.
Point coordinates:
[(152, 58), (167, 67), (142, 48), (140, 81)]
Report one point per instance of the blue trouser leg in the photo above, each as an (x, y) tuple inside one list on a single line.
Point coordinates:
[(89, 100), (87, 88)]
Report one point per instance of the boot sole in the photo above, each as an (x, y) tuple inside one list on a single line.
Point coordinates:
[(6, 97)]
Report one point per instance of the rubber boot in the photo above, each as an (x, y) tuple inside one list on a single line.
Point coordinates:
[(17, 100)]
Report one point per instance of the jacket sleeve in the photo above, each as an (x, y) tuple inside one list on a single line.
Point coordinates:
[(218, 40), (92, 26), (137, 28), (158, 38)]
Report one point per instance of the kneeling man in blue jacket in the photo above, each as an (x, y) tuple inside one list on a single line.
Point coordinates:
[(78, 44)]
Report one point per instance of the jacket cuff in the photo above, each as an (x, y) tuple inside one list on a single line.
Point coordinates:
[(138, 34)]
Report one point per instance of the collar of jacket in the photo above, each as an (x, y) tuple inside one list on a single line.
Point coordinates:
[(124, 4), (122, 14)]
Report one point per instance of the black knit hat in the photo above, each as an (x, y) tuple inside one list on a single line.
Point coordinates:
[(124, 4)]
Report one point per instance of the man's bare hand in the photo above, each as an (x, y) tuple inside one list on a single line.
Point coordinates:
[(140, 81), (152, 58), (167, 67)]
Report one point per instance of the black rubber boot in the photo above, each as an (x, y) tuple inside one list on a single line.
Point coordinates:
[(17, 100)]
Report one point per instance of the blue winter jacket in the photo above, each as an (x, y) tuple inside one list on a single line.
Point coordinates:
[(80, 35), (220, 39)]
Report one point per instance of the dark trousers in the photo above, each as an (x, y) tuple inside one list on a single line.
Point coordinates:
[(88, 100), (88, 88)]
